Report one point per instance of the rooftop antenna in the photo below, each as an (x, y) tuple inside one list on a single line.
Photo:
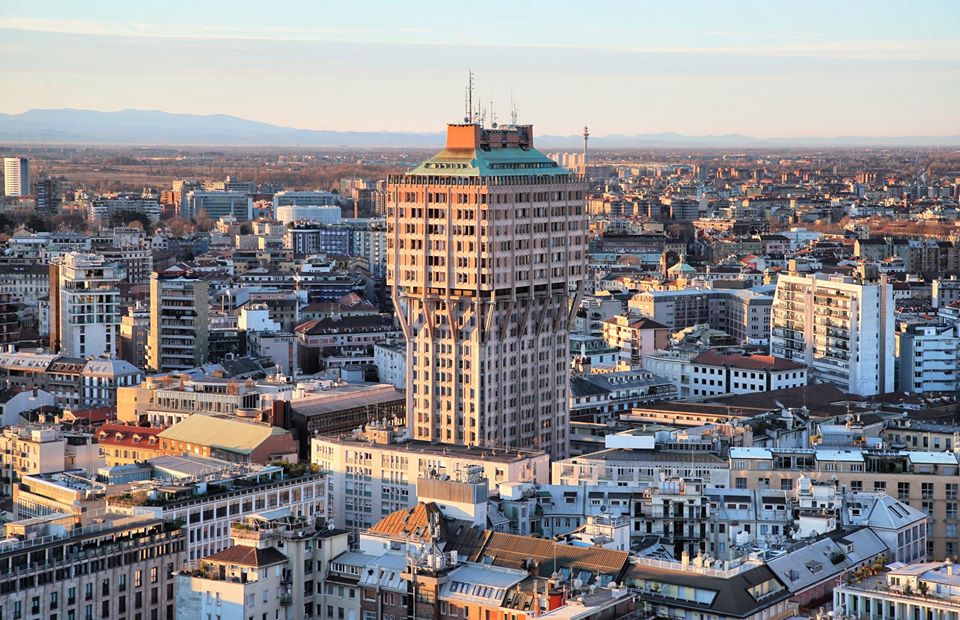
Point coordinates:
[(493, 115), (470, 112), (513, 110), (586, 136)]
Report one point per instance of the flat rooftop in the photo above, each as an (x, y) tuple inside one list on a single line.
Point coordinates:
[(499, 455)]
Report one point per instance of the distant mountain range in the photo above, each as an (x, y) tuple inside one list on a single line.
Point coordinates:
[(150, 127)]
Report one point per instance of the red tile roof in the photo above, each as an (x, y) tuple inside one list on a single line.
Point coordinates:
[(242, 555), (98, 415), (748, 362), (130, 436)]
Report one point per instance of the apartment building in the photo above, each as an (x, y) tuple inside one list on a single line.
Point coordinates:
[(374, 473), (134, 328), (742, 313), (908, 434), (928, 357), (602, 395), (179, 322), (72, 493), (275, 568), (634, 337), (122, 444), (915, 590), (627, 467), (451, 572), (118, 567), (206, 496), (75, 383), (16, 176), (748, 316), (38, 449), (841, 328), (926, 481), (101, 378), (391, 362), (713, 373), (27, 283), (84, 305), (164, 400), (678, 309)]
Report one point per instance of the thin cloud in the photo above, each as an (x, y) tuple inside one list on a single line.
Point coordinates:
[(139, 29), (800, 47)]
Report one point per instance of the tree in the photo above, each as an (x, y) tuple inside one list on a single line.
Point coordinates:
[(180, 227), (124, 217), (203, 221)]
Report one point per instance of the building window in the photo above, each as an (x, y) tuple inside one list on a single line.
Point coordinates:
[(903, 490)]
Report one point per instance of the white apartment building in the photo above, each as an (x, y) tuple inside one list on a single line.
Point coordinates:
[(84, 305), (714, 374), (269, 572), (917, 590), (486, 240), (841, 328), (391, 363), (626, 467), (928, 357), (16, 176), (674, 365), (100, 209), (370, 242), (218, 494), (374, 473)]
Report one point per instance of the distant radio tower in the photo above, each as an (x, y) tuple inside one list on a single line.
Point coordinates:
[(586, 136)]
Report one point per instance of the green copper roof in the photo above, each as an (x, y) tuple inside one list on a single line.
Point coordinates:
[(496, 162)]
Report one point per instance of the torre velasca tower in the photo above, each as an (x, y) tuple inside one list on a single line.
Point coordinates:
[(486, 248)]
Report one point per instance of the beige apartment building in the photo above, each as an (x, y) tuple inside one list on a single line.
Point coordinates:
[(166, 400), (120, 567), (37, 449), (486, 241), (927, 481)]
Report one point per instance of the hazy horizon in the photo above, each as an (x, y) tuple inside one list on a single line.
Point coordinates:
[(816, 69)]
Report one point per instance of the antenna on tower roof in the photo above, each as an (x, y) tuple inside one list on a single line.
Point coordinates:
[(470, 117), (513, 110), (493, 115)]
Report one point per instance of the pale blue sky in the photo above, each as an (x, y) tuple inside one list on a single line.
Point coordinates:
[(766, 68)]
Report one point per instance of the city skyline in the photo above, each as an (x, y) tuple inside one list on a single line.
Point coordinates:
[(630, 69)]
